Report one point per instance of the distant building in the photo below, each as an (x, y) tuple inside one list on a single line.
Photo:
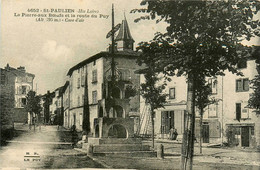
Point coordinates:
[(66, 105), (20, 83), (56, 107)]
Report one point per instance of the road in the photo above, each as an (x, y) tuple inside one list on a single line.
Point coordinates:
[(45, 148), (51, 148)]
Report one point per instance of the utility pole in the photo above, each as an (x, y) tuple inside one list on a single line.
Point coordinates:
[(113, 48)]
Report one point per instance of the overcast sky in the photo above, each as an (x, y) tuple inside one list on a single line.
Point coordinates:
[(49, 49)]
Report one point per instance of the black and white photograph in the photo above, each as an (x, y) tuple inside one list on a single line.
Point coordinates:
[(137, 84)]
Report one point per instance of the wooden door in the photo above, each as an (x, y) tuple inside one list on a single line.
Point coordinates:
[(245, 136), (205, 133)]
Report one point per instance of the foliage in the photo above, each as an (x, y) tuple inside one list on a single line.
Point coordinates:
[(130, 92), (33, 103), (203, 37), (47, 98), (150, 90), (231, 136), (202, 94), (254, 101)]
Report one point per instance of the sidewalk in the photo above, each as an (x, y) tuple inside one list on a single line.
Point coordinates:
[(211, 158)]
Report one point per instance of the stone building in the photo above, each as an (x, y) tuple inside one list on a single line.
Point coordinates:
[(230, 116), (89, 86), (56, 108), (66, 105), (20, 83)]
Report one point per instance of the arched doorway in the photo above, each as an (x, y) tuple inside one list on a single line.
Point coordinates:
[(119, 111), (116, 93), (97, 131), (117, 131)]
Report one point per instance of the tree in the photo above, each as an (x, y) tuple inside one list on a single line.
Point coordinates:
[(203, 39), (33, 105), (254, 101), (150, 90), (202, 100), (47, 98)]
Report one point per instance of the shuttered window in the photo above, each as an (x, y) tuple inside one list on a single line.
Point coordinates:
[(242, 85), (94, 76), (238, 111)]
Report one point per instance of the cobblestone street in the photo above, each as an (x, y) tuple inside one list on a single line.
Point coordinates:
[(42, 149), (51, 148)]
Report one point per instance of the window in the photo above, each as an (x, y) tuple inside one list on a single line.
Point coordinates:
[(242, 85), (94, 97), (242, 64), (238, 111), (23, 90), (29, 79), (172, 93), (78, 101), (80, 119), (94, 62), (125, 75), (94, 76), (82, 80), (78, 83), (212, 82), (2, 78), (23, 102), (82, 77)]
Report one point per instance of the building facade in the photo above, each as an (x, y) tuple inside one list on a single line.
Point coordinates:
[(89, 87), (20, 83), (227, 120), (56, 107)]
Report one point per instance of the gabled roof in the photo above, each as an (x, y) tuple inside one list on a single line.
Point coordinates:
[(124, 32), (65, 87), (131, 54)]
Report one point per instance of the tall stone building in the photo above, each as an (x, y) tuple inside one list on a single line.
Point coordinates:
[(90, 95), (20, 83)]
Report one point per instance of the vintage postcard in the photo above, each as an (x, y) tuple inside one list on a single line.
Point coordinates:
[(81, 90)]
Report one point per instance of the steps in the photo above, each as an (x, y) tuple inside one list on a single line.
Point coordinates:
[(121, 147), (117, 146)]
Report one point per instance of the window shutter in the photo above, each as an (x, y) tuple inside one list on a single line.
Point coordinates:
[(239, 86), (246, 85), (238, 111)]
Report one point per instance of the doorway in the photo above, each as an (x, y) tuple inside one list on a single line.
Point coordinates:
[(97, 131), (205, 133), (245, 136), (117, 131)]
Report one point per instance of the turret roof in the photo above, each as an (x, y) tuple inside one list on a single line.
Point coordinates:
[(124, 32)]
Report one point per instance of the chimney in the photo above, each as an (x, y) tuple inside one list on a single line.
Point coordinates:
[(7, 66), (21, 68)]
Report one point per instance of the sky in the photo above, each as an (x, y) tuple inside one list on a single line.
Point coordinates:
[(50, 49)]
